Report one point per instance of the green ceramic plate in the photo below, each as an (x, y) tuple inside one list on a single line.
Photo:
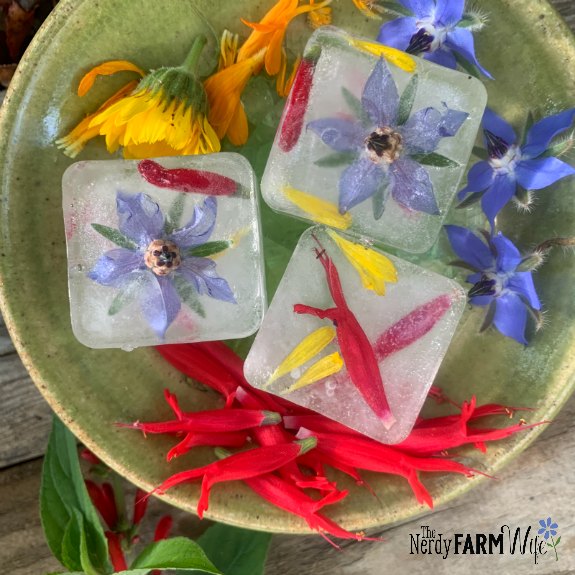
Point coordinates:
[(527, 48)]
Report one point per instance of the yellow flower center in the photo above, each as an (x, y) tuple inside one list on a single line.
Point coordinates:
[(162, 257), (384, 145)]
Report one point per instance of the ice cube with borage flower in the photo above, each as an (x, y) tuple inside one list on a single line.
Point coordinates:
[(373, 141), (163, 251), (355, 334)]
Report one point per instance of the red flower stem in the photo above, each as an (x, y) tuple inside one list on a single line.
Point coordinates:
[(412, 327), (356, 349), (218, 420), (297, 103), (242, 465), (187, 180), (115, 551), (194, 439)]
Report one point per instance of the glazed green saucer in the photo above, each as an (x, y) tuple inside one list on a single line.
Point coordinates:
[(529, 51)]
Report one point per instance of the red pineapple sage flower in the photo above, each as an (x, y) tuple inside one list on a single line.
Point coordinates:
[(356, 349), (187, 180), (242, 465), (297, 103)]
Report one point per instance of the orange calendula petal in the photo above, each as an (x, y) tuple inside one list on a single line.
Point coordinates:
[(238, 128), (283, 86), (373, 268), (326, 366), (392, 55), (307, 349), (228, 49), (320, 211), (366, 8), (106, 69)]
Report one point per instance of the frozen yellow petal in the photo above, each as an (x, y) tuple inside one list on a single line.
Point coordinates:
[(106, 69), (374, 268), (308, 348), (323, 368), (392, 55), (320, 211), (319, 18), (366, 8)]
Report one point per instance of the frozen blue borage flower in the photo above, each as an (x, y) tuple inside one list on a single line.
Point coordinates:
[(386, 145), (498, 282), (165, 262), (511, 168), (439, 30)]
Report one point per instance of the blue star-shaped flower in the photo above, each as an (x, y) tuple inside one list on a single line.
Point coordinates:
[(383, 149), (510, 164), (497, 282), (547, 527), (158, 259), (433, 32)]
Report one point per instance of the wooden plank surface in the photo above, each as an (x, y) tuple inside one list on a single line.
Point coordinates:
[(538, 484)]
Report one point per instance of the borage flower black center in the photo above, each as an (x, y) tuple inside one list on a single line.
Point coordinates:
[(162, 257), (384, 145)]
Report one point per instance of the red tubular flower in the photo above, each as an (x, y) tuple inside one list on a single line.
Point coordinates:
[(212, 421), (195, 439), (355, 347), (286, 496), (88, 456), (115, 551), (412, 327), (296, 105), (140, 506), (163, 527), (439, 434), (239, 466), (104, 501), (186, 180), (193, 362), (363, 453)]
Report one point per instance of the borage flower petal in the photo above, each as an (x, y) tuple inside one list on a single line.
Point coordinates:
[(412, 187), (116, 267), (160, 303)]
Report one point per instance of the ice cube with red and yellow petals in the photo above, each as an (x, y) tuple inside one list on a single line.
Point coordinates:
[(163, 251), (355, 334)]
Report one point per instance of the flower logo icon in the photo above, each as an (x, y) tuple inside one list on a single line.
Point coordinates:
[(549, 529)]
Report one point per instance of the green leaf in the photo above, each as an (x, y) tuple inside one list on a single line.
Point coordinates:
[(175, 214), (471, 199), (175, 553), (436, 160), (236, 551), (549, 545), (209, 249), (115, 236), (394, 8), (189, 295), (467, 66), (63, 494), (407, 99), (379, 200), (529, 121), (558, 541), (124, 297), (560, 147), (335, 159), (480, 153), (355, 106)]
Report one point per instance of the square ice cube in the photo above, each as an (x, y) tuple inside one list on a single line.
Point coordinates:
[(369, 358), (163, 251), (373, 140)]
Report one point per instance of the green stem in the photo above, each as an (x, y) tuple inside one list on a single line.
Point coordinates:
[(554, 548), (193, 58)]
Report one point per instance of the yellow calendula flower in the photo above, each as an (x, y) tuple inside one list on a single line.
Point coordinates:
[(320, 211), (307, 349), (373, 268), (319, 17), (326, 366), (270, 32), (392, 55), (224, 90), (165, 114), (366, 7)]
